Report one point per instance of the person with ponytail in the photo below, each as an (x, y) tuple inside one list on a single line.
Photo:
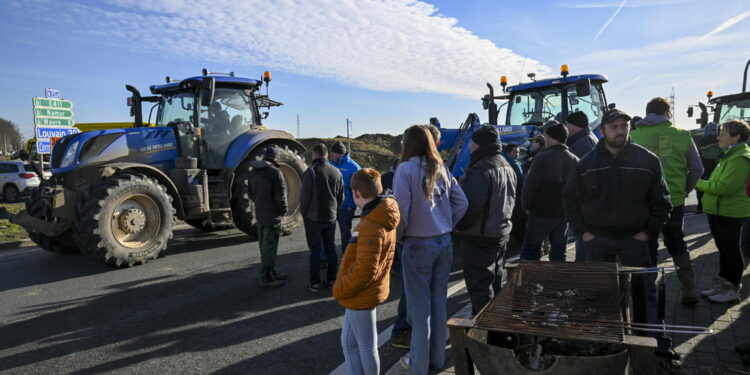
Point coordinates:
[(431, 203)]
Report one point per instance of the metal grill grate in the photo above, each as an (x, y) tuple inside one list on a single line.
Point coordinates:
[(574, 301)]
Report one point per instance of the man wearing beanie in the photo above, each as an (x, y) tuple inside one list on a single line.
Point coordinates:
[(490, 186), (580, 139), (338, 156), (542, 195), (267, 190)]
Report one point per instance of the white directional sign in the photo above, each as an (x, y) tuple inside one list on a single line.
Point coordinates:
[(53, 118)]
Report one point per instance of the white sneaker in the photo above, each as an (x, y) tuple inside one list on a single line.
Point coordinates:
[(717, 287), (730, 293)]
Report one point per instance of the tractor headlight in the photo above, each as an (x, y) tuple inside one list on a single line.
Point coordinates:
[(70, 155)]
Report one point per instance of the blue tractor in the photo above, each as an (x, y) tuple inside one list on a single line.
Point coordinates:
[(529, 105), (114, 194)]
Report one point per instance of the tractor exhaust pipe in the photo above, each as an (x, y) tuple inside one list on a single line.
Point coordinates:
[(134, 102), (744, 77)]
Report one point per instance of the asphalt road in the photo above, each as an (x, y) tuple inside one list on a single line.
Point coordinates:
[(197, 309)]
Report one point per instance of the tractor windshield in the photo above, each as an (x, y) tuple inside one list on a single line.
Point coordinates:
[(177, 108), (231, 114), (535, 108), (591, 104), (734, 110)]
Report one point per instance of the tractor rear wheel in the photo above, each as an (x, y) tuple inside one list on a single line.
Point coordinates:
[(125, 220), (63, 243), (292, 167)]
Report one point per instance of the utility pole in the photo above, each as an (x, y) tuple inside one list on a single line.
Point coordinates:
[(298, 126), (671, 102)]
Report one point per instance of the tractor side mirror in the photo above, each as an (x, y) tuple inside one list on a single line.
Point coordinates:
[(207, 91), (690, 112), (583, 87), (611, 106)]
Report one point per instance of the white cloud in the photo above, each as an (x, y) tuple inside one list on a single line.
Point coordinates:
[(387, 45)]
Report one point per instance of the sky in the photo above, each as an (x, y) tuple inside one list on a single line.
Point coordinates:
[(383, 64)]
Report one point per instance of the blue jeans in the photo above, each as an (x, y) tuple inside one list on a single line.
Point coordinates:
[(537, 229), (321, 240), (359, 340), (344, 216), (581, 254), (401, 324), (426, 268)]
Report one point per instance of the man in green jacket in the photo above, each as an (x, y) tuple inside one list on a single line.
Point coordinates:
[(727, 206), (682, 168)]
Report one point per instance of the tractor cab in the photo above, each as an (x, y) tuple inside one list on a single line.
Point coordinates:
[(537, 102)]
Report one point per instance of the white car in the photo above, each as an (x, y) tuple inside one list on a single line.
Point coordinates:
[(17, 179)]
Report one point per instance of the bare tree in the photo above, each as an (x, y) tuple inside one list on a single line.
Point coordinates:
[(10, 138)]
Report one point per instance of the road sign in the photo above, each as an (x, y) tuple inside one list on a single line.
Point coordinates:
[(52, 103), (47, 132), (43, 147), (52, 93), (45, 121), (57, 113)]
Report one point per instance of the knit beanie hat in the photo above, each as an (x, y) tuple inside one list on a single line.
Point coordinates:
[(338, 147), (578, 119), (270, 153), (485, 135), (556, 131)]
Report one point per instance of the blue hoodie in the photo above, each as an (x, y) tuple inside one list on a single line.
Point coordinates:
[(347, 167)]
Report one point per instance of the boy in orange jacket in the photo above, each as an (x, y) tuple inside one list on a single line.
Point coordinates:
[(363, 278)]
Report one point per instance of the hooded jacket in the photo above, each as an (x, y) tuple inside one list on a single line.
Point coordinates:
[(322, 192), (490, 187), (582, 142), (724, 193), (363, 280), (347, 167), (679, 157), (267, 190)]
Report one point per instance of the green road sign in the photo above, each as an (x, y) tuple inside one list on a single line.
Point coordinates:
[(46, 112), (52, 103), (43, 121)]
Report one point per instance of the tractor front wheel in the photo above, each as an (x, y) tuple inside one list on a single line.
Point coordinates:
[(292, 166), (125, 220)]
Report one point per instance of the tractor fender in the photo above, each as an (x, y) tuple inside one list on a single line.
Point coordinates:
[(249, 141), (111, 169)]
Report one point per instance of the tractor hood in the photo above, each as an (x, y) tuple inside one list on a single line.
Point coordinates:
[(156, 146)]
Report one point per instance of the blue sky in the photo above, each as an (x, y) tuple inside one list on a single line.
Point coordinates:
[(383, 64)]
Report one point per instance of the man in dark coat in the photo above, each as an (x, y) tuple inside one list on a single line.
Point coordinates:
[(542, 195), (617, 201), (322, 193), (267, 190), (490, 186)]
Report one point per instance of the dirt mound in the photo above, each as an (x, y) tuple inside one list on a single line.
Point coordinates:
[(375, 151)]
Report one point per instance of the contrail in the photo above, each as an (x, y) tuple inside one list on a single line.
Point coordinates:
[(727, 24), (632, 81), (622, 4)]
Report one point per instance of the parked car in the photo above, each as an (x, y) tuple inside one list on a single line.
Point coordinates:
[(17, 178)]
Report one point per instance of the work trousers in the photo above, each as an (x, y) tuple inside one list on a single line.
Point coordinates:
[(268, 240), (483, 268)]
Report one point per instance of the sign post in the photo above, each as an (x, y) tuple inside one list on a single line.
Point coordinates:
[(53, 118)]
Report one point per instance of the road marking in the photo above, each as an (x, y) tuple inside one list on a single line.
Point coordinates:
[(384, 336)]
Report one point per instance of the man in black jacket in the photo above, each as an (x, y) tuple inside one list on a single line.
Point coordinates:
[(617, 200), (322, 193), (490, 186), (542, 195), (267, 190), (580, 140)]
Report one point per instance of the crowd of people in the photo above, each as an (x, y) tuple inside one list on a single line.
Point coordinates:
[(615, 196)]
